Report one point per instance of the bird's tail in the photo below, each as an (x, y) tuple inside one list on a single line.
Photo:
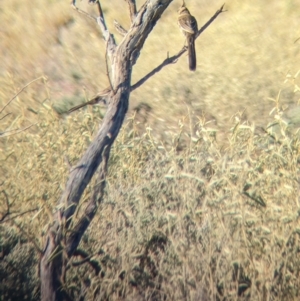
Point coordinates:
[(192, 53)]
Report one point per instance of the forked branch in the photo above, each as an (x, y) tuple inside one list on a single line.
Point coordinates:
[(173, 59), (169, 60), (109, 38), (52, 264)]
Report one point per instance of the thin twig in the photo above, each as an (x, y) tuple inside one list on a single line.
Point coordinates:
[(20, 214), (5, 116), (21, 90), (17, 131), (8, 207), (80, 11)]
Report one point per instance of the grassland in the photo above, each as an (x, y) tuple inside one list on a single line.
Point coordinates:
[(202, 198)]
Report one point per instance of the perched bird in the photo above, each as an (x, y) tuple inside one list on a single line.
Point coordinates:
[(189, 27), (100, 97)]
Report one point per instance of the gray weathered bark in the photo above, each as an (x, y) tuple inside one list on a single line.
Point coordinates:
[(59, 245)]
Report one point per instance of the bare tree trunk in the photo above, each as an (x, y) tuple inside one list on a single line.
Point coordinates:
[(51, 271), (59, 246), (62, 240)]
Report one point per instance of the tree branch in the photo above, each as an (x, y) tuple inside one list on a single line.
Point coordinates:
[(16, 131), (18, 215), (101, 15), (174, 58), (121, 30), (80, 11), (169, 60), (109, 38), (86, 259), (217, 13), (21, 90), (5, 116), (132, 9), (107, 69)]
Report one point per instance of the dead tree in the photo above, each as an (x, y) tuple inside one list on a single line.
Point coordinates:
[(63, 238)]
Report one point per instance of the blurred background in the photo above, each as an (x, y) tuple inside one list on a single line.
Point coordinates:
[(244, 59)]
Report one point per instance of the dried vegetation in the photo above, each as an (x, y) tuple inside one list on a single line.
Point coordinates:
[(198, 205)]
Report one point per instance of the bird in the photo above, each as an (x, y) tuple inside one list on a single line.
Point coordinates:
[(100, 97), (189, 27)]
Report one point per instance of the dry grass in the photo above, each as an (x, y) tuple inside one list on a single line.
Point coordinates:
[(201, 203)]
